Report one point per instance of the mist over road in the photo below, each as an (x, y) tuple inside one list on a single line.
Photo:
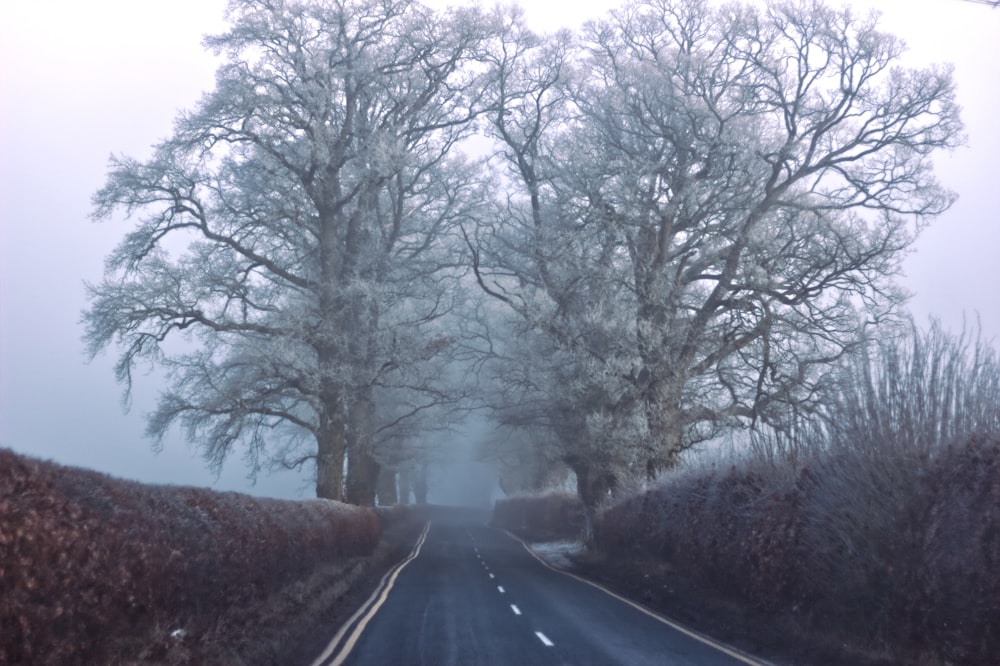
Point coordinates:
[(474, 595)]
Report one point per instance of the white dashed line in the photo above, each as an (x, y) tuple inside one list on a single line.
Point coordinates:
[(492, 576), (544, 639), (517, 611), (500, 587)]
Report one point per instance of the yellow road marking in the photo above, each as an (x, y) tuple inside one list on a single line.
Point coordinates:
[(368, 609), (732, 652)]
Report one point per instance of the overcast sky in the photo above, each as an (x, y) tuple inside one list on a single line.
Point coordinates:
[(80, 80)]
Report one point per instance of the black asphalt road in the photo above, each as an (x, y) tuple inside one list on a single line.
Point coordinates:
[(474, 596)]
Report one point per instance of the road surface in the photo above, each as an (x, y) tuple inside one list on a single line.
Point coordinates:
[(473, 595)]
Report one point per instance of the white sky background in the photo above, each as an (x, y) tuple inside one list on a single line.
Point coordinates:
[(80, 80)]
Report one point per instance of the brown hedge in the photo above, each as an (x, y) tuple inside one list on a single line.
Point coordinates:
[(902, 556), (540, 517), (86, 558)]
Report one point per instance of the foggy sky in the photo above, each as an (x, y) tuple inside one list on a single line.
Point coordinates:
[(82, 80)]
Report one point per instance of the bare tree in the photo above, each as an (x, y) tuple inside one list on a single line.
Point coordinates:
[(287, 258), (914, 392), (707, 207)]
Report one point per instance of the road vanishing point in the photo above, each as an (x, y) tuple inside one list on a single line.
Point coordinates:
[(472, 595)]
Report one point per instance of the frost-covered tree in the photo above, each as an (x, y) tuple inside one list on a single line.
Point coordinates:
[(705, 206), (287, 262)]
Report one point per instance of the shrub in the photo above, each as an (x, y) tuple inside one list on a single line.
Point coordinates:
[(953, 599), (540, 517), (926, 581), (85, 558), (880, 520)]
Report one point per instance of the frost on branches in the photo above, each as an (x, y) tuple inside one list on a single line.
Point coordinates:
[(628, 240), (702, 208), (293, 231)]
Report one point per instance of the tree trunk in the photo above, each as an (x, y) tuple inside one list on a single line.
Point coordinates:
[(362, 472), (405, 484), (331, 439), (362, 468), (420, 485), (663, 421), (593, 486), (330, 446), (387, 486)]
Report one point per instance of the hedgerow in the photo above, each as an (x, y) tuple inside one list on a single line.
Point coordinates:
[(919, 574), (880, 523), (540, 517), (86, 559)]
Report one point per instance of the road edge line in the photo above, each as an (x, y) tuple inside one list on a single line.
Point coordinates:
[(691, 633), (368, 609)]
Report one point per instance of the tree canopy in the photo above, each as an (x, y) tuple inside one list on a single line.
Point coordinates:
[(633, 238), (293, 229), (711, 204)]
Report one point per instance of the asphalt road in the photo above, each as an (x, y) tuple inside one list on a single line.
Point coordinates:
[(473, 595)]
